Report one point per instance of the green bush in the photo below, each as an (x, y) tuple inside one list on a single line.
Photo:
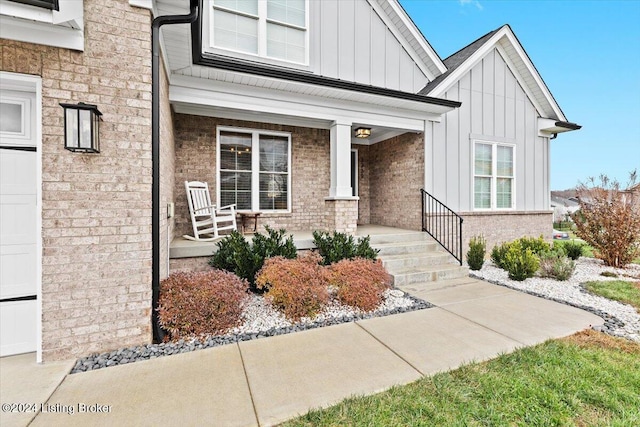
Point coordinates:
[(556, 265), (339, 246), (237, 255), (498, 254), (476, 253), (608, 274), (573, 249), (519, 262), (537, 245)]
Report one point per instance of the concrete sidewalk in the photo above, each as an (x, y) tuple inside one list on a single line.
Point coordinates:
[(266, 381)]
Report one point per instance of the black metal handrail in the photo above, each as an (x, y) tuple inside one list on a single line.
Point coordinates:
[(443, 224)]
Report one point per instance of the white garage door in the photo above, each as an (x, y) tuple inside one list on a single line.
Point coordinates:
[(18, 223)]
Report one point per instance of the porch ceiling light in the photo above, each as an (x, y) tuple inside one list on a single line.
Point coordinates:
[(363, 132), (82, 127)]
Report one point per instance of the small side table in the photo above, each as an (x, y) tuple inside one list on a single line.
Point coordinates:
[(245, 217)]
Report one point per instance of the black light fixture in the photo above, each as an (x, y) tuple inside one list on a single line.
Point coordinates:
[(82, 127), (363, 132)]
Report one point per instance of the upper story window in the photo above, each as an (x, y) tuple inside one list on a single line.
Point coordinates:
[(493, 176), (46, 4), (274, 29)]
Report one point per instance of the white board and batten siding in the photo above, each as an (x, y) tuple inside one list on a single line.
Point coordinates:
[(494, 108), (356, 45)]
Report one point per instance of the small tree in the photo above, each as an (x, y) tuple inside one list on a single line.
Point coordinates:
[(609, 220)]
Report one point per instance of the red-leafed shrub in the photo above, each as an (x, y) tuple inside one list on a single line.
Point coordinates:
[(296, 287), (360, 282), (207, 302)]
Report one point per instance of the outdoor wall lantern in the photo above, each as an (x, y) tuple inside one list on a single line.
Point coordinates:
[(363, 133), (82, 127)]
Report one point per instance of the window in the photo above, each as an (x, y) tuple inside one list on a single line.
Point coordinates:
[(270, 28), (254, 169), (493, 176), (46, 4)]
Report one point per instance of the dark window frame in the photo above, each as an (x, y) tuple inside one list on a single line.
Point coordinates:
[(44, 4)]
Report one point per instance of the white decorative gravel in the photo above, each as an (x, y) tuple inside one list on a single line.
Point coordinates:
[(571, 292), (259, 316)]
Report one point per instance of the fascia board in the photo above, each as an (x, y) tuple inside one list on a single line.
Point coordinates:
[(415, 32), (534, 73), (405, 44), (229, 95)]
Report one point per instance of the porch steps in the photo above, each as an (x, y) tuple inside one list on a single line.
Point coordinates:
[(415, 258)]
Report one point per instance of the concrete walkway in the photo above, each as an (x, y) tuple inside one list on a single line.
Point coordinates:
[(266, 381)]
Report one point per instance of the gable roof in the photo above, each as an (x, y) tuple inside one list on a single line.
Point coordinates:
[(516, 59), (412, 34)]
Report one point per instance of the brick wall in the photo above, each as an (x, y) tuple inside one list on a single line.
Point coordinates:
[(499, 227), (396, 174), (196, 160), (341, 215), (364, 187), (96, 225)]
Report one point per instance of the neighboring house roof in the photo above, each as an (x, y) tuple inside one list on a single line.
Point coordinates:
[(561, 201), (519, 63)]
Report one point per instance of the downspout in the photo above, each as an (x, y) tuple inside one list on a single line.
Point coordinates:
[(155, 154)]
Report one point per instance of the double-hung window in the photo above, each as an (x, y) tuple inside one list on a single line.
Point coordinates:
[(254, 170), (269, 28), (493, 176)]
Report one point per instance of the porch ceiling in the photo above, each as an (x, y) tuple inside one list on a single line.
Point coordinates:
[(378, 133)]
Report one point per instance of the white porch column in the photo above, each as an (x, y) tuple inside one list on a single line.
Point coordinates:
[(340, 142)]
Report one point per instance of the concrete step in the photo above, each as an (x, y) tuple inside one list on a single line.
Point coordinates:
[(409, 275), (416, 236), (410, 247), (428, 258)]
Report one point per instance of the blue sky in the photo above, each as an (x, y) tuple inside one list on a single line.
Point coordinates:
[(588, 53)]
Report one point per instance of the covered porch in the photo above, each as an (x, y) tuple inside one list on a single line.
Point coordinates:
[(303, 239)]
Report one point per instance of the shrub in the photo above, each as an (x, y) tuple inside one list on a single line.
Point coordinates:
[(477, 252), (360, 282), (609, 220), (208, 302), (537, 245), (608, 274), (520, 263), (339, 246), (237, 255), (296, 287), (498, 254), (557, 266), (573, 249)]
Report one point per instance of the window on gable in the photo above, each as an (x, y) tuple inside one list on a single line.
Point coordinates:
[(254, 170), (270, 28), (46, 4), (493, 176)]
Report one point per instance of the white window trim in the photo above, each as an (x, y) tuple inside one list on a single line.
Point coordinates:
[(209, 46), (494, 175), (63, 28), (255, 171)]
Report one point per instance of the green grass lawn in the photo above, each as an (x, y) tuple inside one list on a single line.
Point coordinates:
[(618, 290), (588, 379)]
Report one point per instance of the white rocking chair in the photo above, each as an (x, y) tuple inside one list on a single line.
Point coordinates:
[(207, 221)]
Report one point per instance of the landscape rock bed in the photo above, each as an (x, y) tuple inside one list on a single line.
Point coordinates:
[(620, 320), (260, 320)]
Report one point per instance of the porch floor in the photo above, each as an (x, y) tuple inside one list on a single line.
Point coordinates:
[(184, 248)]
